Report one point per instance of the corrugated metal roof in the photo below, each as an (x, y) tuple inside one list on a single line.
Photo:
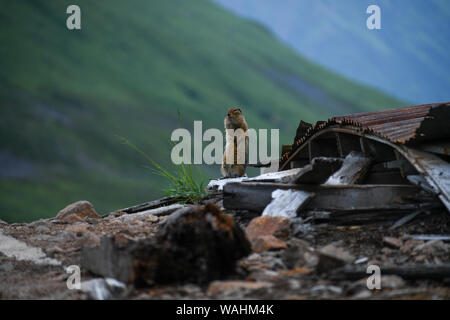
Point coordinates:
[(403, 125), (398, 125)]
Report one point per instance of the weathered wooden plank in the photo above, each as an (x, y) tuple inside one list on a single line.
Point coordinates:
[(352, 170), (158, 212), (286, 203), (422, 271), (317, 172), (435, 170), (256, 196), (361, 217), (420, 181), (277, 176), (218, 184), (151, 205), (354, 217)]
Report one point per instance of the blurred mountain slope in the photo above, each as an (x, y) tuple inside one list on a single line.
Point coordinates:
[(407, 58), (66, 94)]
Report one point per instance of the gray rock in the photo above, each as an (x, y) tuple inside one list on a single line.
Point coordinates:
[(40, 237), (300, 229), (37, 223), (63, 236), (294, 256), (332, 256), (42, 229), (393, 242), (392, 282), (362, 294), (324, 289)]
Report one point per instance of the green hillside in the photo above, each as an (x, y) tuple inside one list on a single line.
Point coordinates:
[(407, 58), (65, 95)]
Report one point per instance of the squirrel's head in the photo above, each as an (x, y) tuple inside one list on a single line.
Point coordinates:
[(234, 118)]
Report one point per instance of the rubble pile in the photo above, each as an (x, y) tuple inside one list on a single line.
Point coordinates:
[(195, 244), (353, 194)]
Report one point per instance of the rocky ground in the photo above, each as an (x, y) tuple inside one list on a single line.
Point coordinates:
[(288, 259)]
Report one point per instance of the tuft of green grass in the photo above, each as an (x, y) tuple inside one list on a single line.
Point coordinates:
[(182, 184)]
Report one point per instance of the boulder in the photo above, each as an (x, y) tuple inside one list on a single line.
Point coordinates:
[(265, 225), (79, 209)]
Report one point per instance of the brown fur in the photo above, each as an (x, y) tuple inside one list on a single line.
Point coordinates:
[(234, 120)]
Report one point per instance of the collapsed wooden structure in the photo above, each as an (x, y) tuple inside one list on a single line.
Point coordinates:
[(357, 167)]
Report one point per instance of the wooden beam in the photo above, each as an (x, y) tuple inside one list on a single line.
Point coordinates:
[(286, 203), (256, 196), (423, 271), (355, 217), (352, 170), (151, 205)]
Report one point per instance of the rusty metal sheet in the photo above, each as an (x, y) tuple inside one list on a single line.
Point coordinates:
[(404, 125), (409, 125)]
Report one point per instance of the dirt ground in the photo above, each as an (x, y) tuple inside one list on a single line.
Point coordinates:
[(291, 269)]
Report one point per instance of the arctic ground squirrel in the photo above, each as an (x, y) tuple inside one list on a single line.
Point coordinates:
[(236, 146)]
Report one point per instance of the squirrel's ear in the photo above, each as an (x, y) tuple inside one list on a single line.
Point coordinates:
[(239, 109)]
